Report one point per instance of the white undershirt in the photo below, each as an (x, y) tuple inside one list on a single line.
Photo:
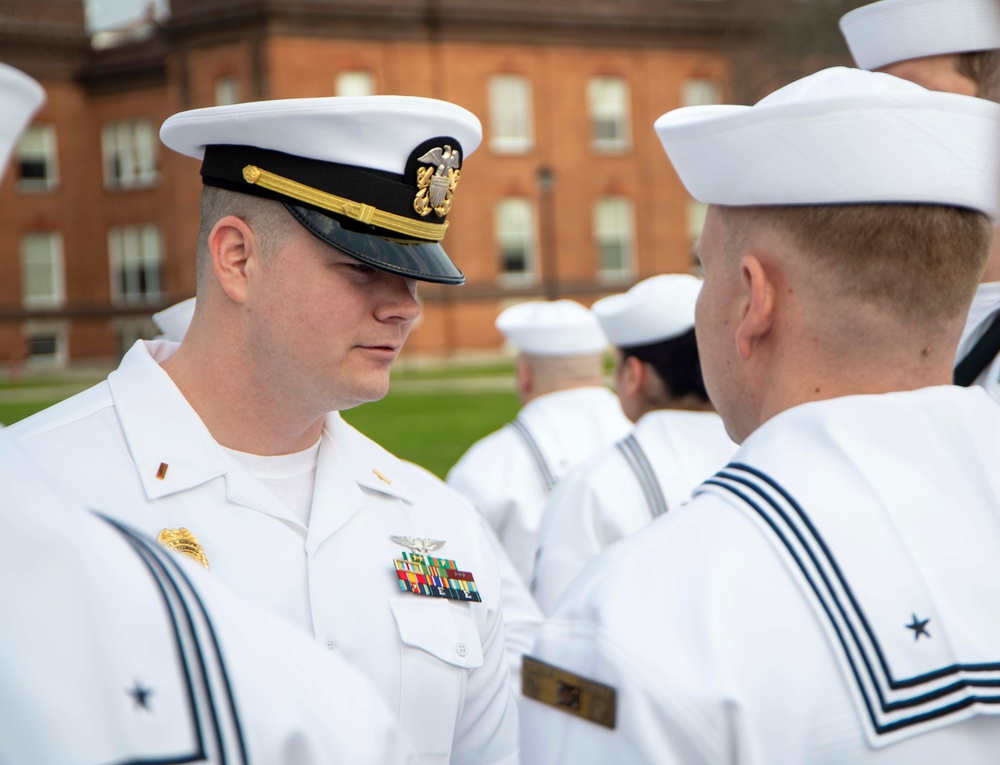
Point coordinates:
[(290, 477)]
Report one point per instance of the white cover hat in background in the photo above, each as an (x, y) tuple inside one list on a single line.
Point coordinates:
[(840, 136), (173, 322), (556, 328), (889, 31), (20, 97), (654, 310)]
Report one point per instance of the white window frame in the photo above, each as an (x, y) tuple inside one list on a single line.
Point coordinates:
[(515, 226), (227, 91), (38, 141), (36, 257), (609, 104), (701, 92), (130, 151), (140, 245), (57, 329), (511, 129), (614, 225), (355, 83)]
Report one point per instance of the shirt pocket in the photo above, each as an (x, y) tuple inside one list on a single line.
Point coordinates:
[(440, 644)]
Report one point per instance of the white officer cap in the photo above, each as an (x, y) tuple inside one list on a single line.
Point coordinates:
[(173, 322), (371, 176), (556, 328), (20, 98), (654, 310), (897, 30), (840, 136)]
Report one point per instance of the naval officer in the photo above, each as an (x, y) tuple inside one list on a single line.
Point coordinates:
[(567, 415), (952, 46), (677, 442), (829, 596), (112, 651), (318, 219)]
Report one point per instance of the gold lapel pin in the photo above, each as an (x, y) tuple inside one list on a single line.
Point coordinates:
[(381, 477)]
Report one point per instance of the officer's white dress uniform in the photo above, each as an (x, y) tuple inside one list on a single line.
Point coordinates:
[(654, 468), (509, 474), (521, 614), (829, 596), (335, 579), (136, 449), (116, 650), (621, 490)]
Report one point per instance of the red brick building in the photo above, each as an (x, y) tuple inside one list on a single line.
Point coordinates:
[(569, 195)]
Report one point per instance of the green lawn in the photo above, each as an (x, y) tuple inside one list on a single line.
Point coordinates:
[(431, 429)]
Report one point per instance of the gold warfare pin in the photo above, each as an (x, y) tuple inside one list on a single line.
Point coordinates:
[(184, 542)]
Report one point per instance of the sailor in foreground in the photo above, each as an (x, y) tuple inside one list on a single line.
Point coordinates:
[(828, 597), (952, 46), (113, 649), (567, 415), (678, 440), (318, 218)]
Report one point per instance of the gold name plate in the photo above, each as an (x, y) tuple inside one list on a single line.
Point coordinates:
[(567, 692)]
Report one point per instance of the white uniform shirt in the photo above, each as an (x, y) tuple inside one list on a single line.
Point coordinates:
[(510, 480), (114, 650), (439, 662), (849, 613), (616, 493), (985, 306)]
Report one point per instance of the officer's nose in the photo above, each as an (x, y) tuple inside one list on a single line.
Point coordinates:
[(399, 299)]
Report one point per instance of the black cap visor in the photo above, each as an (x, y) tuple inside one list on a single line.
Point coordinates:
[(424, 261)]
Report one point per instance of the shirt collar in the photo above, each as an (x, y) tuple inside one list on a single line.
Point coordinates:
[(170, 445)]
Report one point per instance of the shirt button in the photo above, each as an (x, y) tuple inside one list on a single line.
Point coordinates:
[(331, 644), (461, 649)]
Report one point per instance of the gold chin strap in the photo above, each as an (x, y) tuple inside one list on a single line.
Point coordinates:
[(354, 210)]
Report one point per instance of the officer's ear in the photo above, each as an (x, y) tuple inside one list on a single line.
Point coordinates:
[(233, 246)]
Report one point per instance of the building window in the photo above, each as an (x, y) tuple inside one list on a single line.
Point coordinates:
[(355, 84), (43, 283), (36, 158), (227, 91), (45, 343), (515, 236), (129, 154), (614, 234), (608, 102), (136, 263), (510, 114), (701, 93)]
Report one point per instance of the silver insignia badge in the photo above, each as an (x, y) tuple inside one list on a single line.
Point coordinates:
[(418, 544)]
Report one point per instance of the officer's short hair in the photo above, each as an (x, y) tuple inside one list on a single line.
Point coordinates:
[(921, 263), (269, 219)]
